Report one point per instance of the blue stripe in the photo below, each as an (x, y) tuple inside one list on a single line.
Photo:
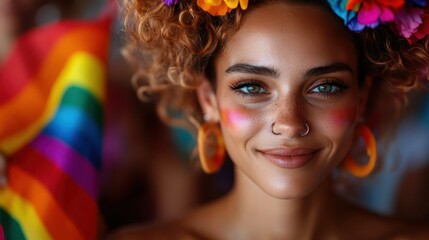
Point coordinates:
[(81, 98), (78, 130)]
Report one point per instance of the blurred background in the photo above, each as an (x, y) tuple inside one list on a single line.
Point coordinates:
[(148, 172)]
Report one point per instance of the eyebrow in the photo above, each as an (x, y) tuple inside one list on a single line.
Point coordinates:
[(252, 69), (331, 68), (271, 72)]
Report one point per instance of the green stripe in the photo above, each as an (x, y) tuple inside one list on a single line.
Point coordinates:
[(80, 98), (12, 229)]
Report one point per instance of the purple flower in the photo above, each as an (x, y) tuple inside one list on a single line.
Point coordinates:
[(416, 3), (170, 2), (408, 21)]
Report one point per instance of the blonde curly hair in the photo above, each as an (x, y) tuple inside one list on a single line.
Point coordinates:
[(177, 45)]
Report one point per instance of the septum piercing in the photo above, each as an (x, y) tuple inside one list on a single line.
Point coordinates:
[(302, 134)]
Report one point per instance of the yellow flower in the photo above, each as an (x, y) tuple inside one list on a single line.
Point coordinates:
[(221, 7)]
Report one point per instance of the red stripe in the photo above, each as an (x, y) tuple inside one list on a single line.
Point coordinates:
[(76, 203), (29, 53), (37, 196), (1, 232), (36, 44), (37, 91)]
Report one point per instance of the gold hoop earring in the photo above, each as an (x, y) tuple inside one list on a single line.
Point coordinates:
[(211, 147), (364, 170)]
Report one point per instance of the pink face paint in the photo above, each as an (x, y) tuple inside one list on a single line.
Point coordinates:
[(345, 116), (234, 118)]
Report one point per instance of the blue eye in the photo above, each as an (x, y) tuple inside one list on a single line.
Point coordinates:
[(329, 87), (249, 88), (252, 89), (326, 88)]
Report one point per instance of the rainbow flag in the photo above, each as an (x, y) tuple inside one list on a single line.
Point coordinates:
[(51, 127)]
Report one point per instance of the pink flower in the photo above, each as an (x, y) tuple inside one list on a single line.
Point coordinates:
[(422, 30), (408, 21), (374, 12), (410, 18)]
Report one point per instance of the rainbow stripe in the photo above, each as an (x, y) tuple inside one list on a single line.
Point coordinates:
[(51, 113)]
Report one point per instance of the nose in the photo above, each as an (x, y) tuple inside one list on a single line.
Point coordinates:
[(289, 120)]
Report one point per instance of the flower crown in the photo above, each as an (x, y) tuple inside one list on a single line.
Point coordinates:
[(409, 18)]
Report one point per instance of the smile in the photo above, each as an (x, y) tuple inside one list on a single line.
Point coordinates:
[(289, 158)]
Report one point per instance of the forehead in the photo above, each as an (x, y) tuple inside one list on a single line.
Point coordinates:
[(301, 35)]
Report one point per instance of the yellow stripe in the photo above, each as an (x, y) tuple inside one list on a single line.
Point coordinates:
[(83, 70), (24, 213)]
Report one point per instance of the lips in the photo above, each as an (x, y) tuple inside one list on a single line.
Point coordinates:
[(289, 157)]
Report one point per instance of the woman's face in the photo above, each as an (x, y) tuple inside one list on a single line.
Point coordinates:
[(288, 66)]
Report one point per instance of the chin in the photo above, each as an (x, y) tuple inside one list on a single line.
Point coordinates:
[(289, 194), (290, 189)]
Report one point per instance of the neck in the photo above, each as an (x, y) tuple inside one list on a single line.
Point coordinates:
[(259, 213)]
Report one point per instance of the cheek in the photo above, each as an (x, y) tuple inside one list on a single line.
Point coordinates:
[(235, 119), (343, 117), (339, 121), (339, 127)]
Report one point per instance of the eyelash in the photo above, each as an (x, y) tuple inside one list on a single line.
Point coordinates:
[(241, 84), (341, 85)]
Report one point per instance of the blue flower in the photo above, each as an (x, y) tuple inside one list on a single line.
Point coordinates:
[(349, 17)]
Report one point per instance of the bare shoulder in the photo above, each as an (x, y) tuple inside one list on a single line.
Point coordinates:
[(170, 230)]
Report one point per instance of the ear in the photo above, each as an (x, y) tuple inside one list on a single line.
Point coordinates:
[(364, 94), (208, 102)]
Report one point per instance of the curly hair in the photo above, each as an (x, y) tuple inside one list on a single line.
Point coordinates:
[(177, 45)]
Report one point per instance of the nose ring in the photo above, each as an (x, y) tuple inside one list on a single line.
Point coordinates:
[(272, 130), (307, 130), (301, 134)]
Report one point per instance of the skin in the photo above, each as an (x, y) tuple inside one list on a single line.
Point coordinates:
[(19, 16), (12, 23), (289, 98), (303, 71)]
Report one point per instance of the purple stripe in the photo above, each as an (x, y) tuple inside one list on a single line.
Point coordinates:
[(77, 167)]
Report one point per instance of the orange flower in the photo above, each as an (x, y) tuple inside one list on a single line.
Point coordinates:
[(221, 7)]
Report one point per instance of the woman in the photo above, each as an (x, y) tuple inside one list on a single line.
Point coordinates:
[(289, 86)]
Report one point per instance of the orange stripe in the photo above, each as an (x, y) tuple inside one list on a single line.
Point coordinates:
[(27, 55), (83, 70), (36, 93), (55, 220), (73, 200)]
